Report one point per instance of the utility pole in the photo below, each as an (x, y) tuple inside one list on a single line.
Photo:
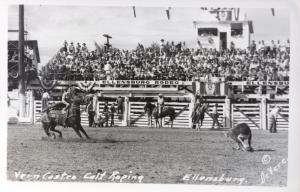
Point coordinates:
[(21, 63), (107, 40)]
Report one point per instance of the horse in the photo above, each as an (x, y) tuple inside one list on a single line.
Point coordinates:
[(167, 111), (148, 108), (198, 116), (56, 115)]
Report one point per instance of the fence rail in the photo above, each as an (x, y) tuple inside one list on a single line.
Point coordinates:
[(249, 113)]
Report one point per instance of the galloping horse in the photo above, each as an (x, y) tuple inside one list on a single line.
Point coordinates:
[(167, 111), (198, 115), (148, 108), (56, 116)]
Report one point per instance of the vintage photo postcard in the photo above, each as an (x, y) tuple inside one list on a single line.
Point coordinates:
[(148, 94)]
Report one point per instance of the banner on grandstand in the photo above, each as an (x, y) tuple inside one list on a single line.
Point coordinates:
[(257, 83), (47, 84), (210, 88), (143, 82)]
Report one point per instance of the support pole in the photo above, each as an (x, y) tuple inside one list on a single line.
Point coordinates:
[(95, 105), (228, 123), (21, 63), (126, 117), (263, 112), (31, 106), (191, 109)]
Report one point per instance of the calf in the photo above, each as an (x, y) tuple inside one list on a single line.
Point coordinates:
[(99, 121), (239, 134)]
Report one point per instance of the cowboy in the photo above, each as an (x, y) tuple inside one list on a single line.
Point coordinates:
[(90, 108), (273, 115), (198, 103), (215, 116), (112, 115), (120, 105), (66, 99), (160, 103), (76, 102)]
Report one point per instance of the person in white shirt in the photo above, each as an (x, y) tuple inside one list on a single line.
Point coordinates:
[(273, 115), (45, 99), (107, 68), (66, 98)]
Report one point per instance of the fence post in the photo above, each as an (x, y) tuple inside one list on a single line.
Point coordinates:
[(31, 106), (96, 106), (191, 108), (227, 113), (264, 118), (126, 117)]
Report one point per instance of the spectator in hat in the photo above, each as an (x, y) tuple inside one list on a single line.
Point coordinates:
[(84, 49), (78, 48), (252, 47), (71, 48)]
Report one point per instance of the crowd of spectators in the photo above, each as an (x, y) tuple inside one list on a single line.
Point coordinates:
[(170, 61)]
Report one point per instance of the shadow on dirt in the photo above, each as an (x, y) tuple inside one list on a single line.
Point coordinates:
[(104, 140), (263, 150)]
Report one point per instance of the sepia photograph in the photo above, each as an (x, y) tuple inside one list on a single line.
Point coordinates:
[(148, 95)]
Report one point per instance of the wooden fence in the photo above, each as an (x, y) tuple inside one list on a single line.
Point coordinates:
[(242, 112), (247, 113)]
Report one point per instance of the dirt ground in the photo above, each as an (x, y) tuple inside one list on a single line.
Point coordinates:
[(143, 155)]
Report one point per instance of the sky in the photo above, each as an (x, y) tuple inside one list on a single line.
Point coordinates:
[(51, 25)]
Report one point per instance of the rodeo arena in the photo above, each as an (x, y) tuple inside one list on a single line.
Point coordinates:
[(158, 113)]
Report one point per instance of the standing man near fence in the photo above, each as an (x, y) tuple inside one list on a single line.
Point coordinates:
[(90, 108), (215, 116), (160, 103), (273, 115), (196, 107), (120, 105), (112, 114)]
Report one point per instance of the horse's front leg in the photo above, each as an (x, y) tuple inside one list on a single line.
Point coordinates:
[(76, 129), (52, 128), (46, 127), (83, 131)]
